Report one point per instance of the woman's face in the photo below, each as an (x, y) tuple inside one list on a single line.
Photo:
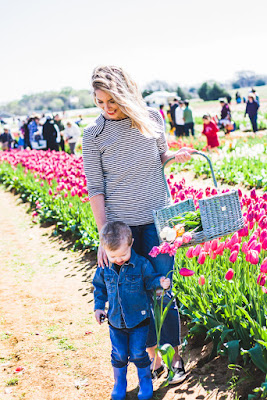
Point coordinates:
[(108, 105)]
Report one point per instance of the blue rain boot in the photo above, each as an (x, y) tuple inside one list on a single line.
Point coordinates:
[(145, 382), (120, 385)]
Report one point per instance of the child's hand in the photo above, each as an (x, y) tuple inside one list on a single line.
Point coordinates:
[(98, 314), (165, 282)]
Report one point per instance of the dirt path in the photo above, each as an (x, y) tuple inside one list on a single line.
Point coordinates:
[(47, 324)]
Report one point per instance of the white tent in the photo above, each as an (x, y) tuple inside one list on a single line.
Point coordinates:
[(160, 97)]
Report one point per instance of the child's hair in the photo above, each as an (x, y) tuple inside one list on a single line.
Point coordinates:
[(161, 106), (186, 102), (114, 233), (206, 116)]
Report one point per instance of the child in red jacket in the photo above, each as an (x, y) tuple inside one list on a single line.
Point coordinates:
[(210, 130)]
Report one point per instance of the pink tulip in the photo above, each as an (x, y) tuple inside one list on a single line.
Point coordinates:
[(251, 225), (201, 280), (206, 247), (261, 280), (235, 247), (187, 237), (189, 253), (234, 239), (220, 249), (202, 257), (253, 194), (264, 289), (50, 192), (252, 257), (186, 272), (196, 250), (263, 235), (257, 248), (154, 252), (70, 205), (264, 244), (229, 274), (243, 232), (214, 244), (212, 254), (264, 266), (233, 256), (252, 245), (263, 222)]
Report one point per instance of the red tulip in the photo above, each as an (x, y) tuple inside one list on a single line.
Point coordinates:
[(201, 280), (186, 272), (229, 274), (233, 256)]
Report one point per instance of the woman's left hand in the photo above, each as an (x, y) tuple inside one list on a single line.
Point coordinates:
[(183, 155)]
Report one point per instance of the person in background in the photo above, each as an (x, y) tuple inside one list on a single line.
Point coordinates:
[(252, 111), (170, 118), (225, 115), (173, 107), (129, 306), (21, 141), (6, 138), (188, 120), (253, 91), (78, 122), (238, 98), (72, 134), (51, 134), (210, 130), (61, 127), (161, 110), (228, 98), (33, 127), (179, 119)]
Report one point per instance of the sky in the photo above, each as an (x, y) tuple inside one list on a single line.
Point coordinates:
[(49, 44)]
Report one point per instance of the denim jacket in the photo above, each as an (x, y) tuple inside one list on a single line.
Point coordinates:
[(126, 292)]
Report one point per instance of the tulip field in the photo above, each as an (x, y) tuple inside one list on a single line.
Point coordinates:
[(221, 285)]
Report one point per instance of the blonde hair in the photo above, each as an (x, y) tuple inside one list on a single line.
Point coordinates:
[(124, 91)]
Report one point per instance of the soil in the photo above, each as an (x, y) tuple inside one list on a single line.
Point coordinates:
[(47, 326)]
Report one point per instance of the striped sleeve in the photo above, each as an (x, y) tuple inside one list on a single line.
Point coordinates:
[(92, 165), (161, 140)]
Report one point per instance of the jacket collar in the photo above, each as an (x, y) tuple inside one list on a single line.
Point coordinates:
[(131, 262)]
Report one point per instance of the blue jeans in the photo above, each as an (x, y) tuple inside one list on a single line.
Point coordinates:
[(129, 345), (253, 120), (145, 237)]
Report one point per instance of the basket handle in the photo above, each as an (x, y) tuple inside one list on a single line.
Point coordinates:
[(193, 152)]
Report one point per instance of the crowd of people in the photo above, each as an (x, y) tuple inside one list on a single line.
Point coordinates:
[(45, 132), (181, 119)]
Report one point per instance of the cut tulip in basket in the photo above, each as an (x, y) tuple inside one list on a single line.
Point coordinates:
[(181, 225)]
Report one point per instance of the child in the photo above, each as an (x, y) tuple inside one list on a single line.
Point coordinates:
[(124, 284), (210, 130)]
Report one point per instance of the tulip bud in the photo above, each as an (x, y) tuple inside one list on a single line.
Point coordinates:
[(189, 253), (201, 280), (261, 280), (235, 247), (253, 194), (263, 235), (206, 247), (263, 268), (257, 248), (220, 249), (252, 245), (229, 274), (264, 244)]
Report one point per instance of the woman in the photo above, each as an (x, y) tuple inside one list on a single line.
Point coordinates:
[(252, 111), (123, 153), (72, 134)]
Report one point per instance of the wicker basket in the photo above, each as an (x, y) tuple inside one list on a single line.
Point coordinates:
[(220, 214)]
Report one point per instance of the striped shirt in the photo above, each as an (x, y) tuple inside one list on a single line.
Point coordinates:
[(125, 166)]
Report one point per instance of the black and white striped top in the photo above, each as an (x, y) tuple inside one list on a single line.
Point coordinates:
[(125, 166)]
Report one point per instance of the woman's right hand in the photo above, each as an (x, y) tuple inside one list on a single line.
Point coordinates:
[(102, 258)]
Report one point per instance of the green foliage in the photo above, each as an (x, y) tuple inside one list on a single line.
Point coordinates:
[(207, 92), (51, 101)]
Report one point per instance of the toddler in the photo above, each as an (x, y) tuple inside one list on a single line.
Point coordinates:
[(210, 130), (124, 284)]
